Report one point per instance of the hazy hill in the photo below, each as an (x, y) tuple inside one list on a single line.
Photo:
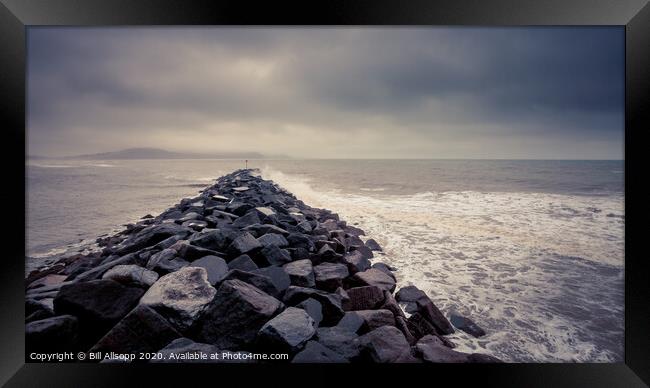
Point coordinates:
[(156, 153)]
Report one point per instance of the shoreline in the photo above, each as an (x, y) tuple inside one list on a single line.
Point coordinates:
[(245, 267)]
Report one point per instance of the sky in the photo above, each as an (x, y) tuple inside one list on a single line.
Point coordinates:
[(426, 92)]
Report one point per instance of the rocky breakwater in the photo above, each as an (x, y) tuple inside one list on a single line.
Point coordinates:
[(244, 268)]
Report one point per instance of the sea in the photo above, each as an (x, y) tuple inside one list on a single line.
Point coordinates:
[(532, 251)]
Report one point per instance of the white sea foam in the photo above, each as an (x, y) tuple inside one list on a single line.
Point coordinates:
[(542, 273)]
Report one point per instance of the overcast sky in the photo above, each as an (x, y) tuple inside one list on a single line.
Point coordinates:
[(329, 92)]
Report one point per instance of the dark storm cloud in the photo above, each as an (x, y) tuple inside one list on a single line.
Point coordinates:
[(331, 92)]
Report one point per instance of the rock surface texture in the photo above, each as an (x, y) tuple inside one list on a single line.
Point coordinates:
[(244, 268)]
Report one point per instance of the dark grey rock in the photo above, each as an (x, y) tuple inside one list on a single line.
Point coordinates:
[(191, 252), (329, 276), (278, 276), (373, 245), (273, 239), (376, 318), (238, 312), (313, 308), (152, 235), (99, 304), (375, 277), (356, 262), (385, 269), (131, 274), (275, 256), (466, 325), (55, 334), (244, 263), (364, 298), (351, 322), (142, 330), (384, 344), (301, 273), (260, 281), (343, 342), (216, 268), (184, 350), (249, 218), (431, 313), (304, 227), (314, 352), (288, 331), (259, 230), (243, 243), (297, 240), (432, 349), (332, 310)]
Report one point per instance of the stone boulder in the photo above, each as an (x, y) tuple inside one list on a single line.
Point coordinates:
[(215, 266), (356, 262), (142, 330), (432, 349), (385, 269), (373, 245), (279, 277), (243, 263), (364, 298), (313, 308), (131, 274), (258, 280), (99, 304), (331, 303), (301, 273), (181, 296), (152, 235), (288, 331), (375, 277), (243, 243), (432, 314), (343, 342), (376, 318), (275, 256), (466, 325), (184, 350), (273, 239), (238, 312), (384, 344), (297, 240), (55, 334), (315, 352), (351, 322), (329, 276)]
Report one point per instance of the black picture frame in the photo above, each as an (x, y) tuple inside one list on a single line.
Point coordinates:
[(17, 15)]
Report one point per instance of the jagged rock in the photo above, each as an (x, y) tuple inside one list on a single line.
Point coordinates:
[(181, 296), (356, 262), (355, 231), (391, 304), (297, 240), (191, 252), (243, 263), (189, 216), (47, 280), (216, 268), (166, 261), (152, 235), (273, 239), (343, 342), (313, 308), (466, 325), (301, 273), (351, 322), (243, 243), (314, 352), (375, 277), (298, 253), (376, 318), (239, 208), (409, 294), (249, 218), (264, 212), (304, 227), (131, 274), (260, 281), (385, 269), (433, 350), (373, 245), (184, 350), (402, 325), (364, 298), (195, 224), (363, 250), (99, 304), (329, 276), (275, 256), (431, 313), (278, 276), (288, 331), (53, 334), (142, 330), (235, 316), (479, 358), (262, 229), (384, 344), (215, 240), (332, 310)]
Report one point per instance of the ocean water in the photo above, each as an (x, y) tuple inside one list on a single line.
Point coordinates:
[(532, 251)]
